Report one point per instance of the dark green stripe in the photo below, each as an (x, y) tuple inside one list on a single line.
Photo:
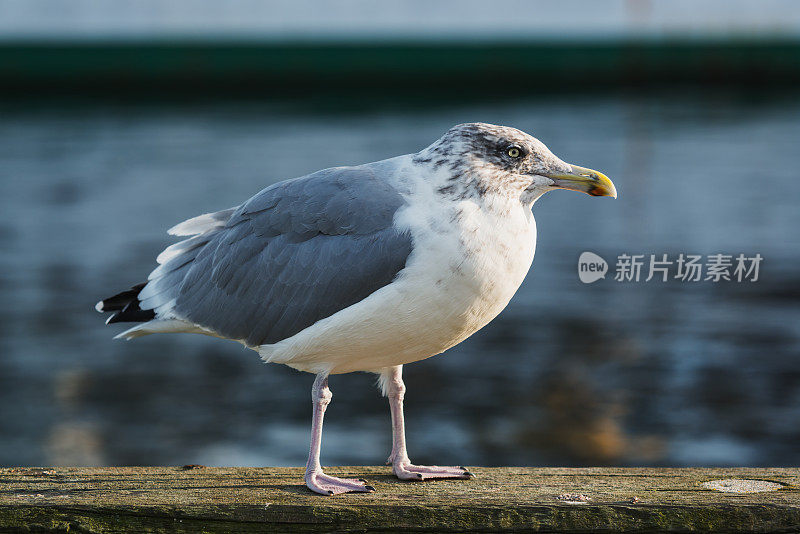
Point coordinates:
[(321, 67)]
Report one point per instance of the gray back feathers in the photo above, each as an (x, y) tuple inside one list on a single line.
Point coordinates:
[(295, 253)]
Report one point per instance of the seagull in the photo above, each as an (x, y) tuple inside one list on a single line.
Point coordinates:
[(362, 268)]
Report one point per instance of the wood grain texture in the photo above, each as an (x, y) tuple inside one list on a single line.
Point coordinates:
[(172, 499)]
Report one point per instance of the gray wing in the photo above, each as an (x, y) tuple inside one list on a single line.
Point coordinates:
[(295, 253)]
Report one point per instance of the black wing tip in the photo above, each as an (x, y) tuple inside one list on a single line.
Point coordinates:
[(126, 306), (132, 316)]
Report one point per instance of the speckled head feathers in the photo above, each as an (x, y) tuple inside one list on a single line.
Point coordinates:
[(480, 159)]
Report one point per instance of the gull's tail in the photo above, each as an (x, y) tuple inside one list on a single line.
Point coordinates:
[(125, 306), (151, 303)]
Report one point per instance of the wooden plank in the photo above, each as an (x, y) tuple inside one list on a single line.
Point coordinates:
[(173, 499)]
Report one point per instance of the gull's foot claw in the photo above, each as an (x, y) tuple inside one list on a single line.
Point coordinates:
[(328, 485), (409, 471)]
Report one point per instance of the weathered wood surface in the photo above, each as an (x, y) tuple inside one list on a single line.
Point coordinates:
[(172, 499)]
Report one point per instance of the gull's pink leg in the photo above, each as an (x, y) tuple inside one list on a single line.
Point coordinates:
[(401, 465), (316, 480)]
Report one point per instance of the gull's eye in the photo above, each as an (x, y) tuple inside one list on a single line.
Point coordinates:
[(514, 152)]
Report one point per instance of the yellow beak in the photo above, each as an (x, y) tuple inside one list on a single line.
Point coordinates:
[(588, 181)]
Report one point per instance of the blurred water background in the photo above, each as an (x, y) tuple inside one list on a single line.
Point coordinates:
[(613, 373)]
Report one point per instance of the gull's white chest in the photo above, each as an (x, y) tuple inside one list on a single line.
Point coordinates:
[(472, 265)]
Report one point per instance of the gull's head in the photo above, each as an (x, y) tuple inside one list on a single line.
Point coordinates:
[(480, 158)]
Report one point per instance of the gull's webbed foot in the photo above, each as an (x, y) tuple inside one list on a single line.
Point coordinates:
[(405, 470), (327, 485)]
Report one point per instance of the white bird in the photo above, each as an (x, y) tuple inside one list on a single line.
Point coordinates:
[(362, 268)]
